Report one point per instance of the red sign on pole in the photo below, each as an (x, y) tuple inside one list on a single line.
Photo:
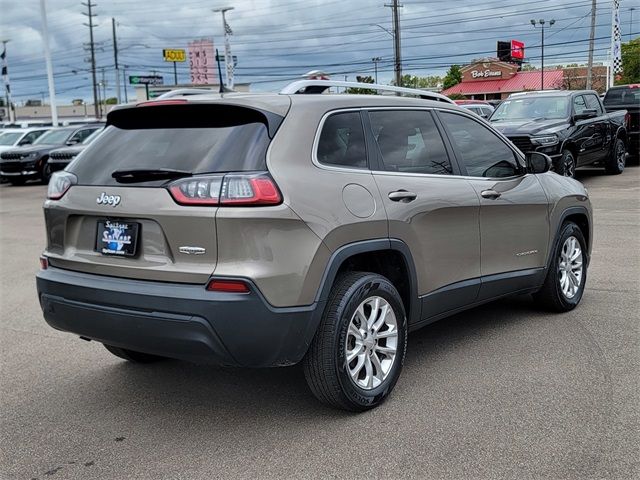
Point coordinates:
[(517, 50)]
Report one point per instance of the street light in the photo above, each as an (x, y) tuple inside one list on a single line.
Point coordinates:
[(541, 22), (375, 61)]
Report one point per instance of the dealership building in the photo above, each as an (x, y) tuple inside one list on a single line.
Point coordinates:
[(494, 79)]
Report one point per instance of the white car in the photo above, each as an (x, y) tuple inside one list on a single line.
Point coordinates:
[(18, 137)]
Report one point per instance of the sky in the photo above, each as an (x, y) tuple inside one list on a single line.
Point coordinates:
[(277, 41)]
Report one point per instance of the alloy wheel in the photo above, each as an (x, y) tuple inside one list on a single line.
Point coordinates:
[(570, 267), (569, 166), (620, 155), (372, 343)]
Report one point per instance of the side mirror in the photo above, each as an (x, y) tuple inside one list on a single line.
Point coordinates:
[(73, 141), (24, 142), (588, 113), (538, 162)]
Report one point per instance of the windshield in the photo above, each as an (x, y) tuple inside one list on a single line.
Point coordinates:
[(10, 138), (532, 108), (53, 137)]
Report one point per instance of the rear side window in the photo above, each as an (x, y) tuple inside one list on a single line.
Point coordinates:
[(623, 96), (409, 141), (482, 152), (342, 141), (180, 138)]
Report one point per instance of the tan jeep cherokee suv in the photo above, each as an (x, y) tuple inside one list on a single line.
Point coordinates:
[(268, 229)]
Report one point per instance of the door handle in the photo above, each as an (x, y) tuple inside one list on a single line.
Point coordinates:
[(492, 194), (402, 196)]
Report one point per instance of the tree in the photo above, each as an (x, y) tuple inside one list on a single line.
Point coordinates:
[(414, 81), (527, 67), (630, 62), (362, 91), (457, 96), (110, 101), (453, 77)]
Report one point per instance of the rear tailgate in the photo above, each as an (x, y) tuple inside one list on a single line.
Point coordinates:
[(133, 227), (164, 227)]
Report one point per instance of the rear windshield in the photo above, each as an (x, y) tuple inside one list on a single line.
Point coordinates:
[(238, 144), (623, 96)]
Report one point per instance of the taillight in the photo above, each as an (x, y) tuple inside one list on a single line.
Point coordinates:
[(155, 103), (44, 263), (202, 191), (237, 189), (228, 286), (627, 119), (59, 183)]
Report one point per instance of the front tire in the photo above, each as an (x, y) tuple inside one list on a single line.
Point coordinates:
[(132, 356), (617, 160), (564, 285), (356, 356), (566, 165)]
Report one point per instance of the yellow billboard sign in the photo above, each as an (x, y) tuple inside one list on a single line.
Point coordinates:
[(174, 55)]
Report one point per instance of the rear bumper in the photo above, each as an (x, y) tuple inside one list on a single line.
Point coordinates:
[(179, 321)]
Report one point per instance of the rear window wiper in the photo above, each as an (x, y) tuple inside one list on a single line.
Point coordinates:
[(147, 175)]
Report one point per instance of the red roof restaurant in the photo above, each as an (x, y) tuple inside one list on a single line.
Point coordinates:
[(491, 79)]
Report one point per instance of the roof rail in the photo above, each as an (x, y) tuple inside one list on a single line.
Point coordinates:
[(319, 86), (184, 92)]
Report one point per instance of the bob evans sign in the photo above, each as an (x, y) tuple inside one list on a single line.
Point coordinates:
[(485, 73)]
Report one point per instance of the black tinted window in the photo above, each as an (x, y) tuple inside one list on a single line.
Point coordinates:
[(196, 150), (481, 151), (579, 105), (593, 103), (342, 141), (410, 142)]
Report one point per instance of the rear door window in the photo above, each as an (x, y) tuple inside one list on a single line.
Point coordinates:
[(342, 141), (196, 140), (410, 142)]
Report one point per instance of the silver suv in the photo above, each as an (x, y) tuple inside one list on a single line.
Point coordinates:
[(268, 229)]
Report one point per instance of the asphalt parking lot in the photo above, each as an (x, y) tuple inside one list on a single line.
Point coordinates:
[(503, 391)]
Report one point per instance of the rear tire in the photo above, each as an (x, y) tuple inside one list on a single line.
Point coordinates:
[(564, 285), (356, 356), (617, 159), (132, 356)]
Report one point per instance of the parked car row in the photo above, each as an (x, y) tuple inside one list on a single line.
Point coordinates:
[(33, 153)]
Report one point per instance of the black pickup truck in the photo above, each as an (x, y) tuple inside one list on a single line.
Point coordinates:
[(571, 126), (627, 97)]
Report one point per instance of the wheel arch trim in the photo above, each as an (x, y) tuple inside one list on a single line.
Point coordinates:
[(576, 210), (342, 254)]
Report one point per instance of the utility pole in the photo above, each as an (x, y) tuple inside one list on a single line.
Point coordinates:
[(5, 79), (375, 61), (103, 83), (124, 82), (592, 36), (228, 59), (115, 57), (396, 41), (89, 14), (47, 56)]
